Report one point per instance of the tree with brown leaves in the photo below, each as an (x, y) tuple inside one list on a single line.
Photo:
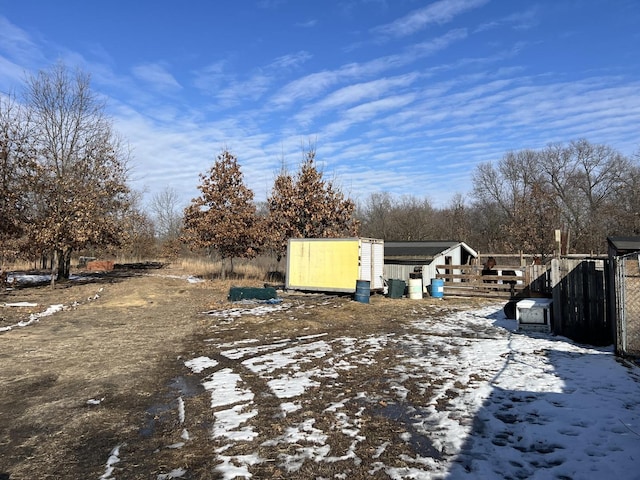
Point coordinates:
[(307, 206), (223, 218)]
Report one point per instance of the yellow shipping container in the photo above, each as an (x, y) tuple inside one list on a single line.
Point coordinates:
[(334, 264)]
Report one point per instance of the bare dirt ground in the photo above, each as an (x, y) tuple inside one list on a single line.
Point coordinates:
[(103, 372)]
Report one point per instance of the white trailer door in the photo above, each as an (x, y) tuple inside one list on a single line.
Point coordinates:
[(365, 261), (377, 265)]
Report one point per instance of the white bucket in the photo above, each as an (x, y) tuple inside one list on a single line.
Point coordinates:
[(415, 288)]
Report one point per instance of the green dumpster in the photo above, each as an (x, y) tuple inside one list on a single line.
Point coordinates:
[(251, 293), (396, 288)]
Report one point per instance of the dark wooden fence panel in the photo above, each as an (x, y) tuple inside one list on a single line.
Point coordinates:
[(579, 300)]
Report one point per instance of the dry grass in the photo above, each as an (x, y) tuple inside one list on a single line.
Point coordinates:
[(17, 265), (209, 268), (254, 269)]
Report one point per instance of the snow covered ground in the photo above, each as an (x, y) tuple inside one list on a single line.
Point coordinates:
[(472, 397)]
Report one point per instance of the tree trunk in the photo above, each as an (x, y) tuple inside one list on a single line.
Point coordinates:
[(46, 261), (67, 263), (64, 263), (222, 269), (53, 273)]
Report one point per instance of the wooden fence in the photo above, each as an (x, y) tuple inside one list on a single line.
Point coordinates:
[(507, 282)]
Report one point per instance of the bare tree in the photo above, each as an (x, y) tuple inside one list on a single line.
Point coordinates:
[(80, 176), (587, 180), (576, 187), (167, 213), (627, 201), (531, 226), (413, 220), (454, 221), (509, 182), (376, 216), (404, 218), (224, 216), (139, 243), (168, 221)]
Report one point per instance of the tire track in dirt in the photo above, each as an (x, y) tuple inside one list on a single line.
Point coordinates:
[(233, 363), (269, 402), (250, 365)]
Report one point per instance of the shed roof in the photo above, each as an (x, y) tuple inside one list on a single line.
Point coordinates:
[(624, 245), (424, 250)]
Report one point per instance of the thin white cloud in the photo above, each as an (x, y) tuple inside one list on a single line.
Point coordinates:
[(308, 86), (16, 43), (429, 47), (369, 110), (365, 112), (237, 92), (218, 81), (308, 24), (355, 93), (11, 75), (518, 20), (439, 12), (314, 84), (291, 60), (211, 76), (175, 153), (157, 75)]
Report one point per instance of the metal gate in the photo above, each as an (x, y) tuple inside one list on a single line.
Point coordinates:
[(627, 291)]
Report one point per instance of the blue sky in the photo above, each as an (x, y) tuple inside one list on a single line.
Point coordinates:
[(401, 96)]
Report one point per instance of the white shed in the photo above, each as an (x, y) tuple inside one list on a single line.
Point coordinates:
[(404, 260)]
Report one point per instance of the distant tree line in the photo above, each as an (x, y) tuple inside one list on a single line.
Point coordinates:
[(64, 189), (586, 191)]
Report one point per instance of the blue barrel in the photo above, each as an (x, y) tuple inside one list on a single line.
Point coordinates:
[(363, 291), (437, 287)]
